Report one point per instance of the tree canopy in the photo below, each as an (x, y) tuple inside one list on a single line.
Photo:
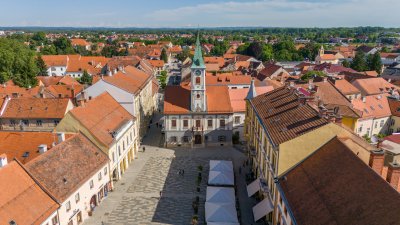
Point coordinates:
[(17, 62)]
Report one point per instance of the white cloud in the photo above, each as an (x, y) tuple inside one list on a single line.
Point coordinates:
[(286, 13)]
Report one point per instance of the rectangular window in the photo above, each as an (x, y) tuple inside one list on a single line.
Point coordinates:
[(173, 123), (39, 123), (209, 123), (68, 206), (198, 123), (105, 171), (237, 119), (376, 124), (77, 198), (185, 123), (25, 122), (12, 122), (54, 221), (56, 122), (91, 184), (113, 156), (79, 217), (198, 80), (119, 150), (99, 176), (173, 139), (382, 123), (222, 123)]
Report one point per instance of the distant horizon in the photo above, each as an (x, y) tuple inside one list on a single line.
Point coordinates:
[(206, 13)]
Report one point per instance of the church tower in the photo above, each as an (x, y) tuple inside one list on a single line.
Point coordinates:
[(198, 81)]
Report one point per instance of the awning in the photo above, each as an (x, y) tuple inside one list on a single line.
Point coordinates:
[(225, 213), (253, 187), (262, 209), (220, 195)]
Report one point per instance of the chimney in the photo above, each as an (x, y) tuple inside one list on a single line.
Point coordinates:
[(42, 148), (325, 79), (3, 160), (60, 137), (376, 161), (364, 99), (4, 106), (72, 93), (393, 175), (291, 84)]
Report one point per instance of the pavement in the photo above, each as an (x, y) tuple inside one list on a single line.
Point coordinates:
[(152, 192)]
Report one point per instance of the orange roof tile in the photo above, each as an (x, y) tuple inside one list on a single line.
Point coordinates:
[(157, 63), (65, 91), (68, 165), (21, 198), (237, 97), (227, 79), (10, 89), (17, 144), (55, 60), (50, 80), (375, 106), (373, 86), (346, 87), (79, 42), (218, 101), (215, 60), (36, 108), (132, 80), (102, 121)]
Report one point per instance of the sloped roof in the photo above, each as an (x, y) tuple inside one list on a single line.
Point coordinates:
[(375, 106), (21, 198), (346, 87), (132, 80), (50, 80), (317, 193), (372, 86), (284, 116), (55, 60), (101, 121), (36, 108), (64, 168), (237, 97)]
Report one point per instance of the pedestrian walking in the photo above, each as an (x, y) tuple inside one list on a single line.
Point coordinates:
[(144, 148), (183, 172)]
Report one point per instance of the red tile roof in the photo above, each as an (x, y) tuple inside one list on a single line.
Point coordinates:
[(284, 116), (36, 108), (132, 80), (17, 144), (227, 79), (102, 121), (55, 60), (373, 86), (237, 97), (21, 198), (63, 169), (334, 187), (375, 106), (346, 87)]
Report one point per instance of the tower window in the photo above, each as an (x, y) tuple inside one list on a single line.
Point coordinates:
[(198, 96), (197, 80)]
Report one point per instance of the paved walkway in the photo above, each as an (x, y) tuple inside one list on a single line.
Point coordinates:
[(136, 198)]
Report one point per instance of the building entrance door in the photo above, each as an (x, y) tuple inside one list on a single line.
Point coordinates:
[(197, 139)]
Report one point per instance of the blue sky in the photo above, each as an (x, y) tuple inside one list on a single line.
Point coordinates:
[(205, 13)]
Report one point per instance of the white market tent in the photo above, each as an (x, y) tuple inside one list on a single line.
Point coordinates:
[(220, 195), (221, 165), (223, 178), (217, 212)]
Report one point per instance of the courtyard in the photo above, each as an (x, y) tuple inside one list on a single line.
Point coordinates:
[(152, 191)]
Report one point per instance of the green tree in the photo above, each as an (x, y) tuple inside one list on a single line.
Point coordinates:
[(41, 65), (49, 50), (63, 46), (359, 62), (39, 37), (164, 56), (346, 64), (17, 62), (163, 79), (86, 78), (375, 62), (312, 74), (183, 55)]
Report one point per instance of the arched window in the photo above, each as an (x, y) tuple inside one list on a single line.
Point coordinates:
[(198, 96), (197, 80)]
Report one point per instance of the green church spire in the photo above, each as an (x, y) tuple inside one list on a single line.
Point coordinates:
[(198, 61)]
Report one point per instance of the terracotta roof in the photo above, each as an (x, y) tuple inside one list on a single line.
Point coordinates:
[(332, 68), (318, 193), (64, 168), (373, 86), (36, 108), (55, 60), (92, 64), (157, 63), (268, 71), (79, 42), (175, 49), (331, 98), (394, 104), (326, 57), (215, 60), (237, 97), (393, 138), (24, 145), (132, 80), (177, 100), (50, 80), (375, 106), (102, 121), (65, 91), (21, 198), (346, 87), (227, 79), (10, 89), (284, 116), (372, 73), (122, 61), (212, 67)]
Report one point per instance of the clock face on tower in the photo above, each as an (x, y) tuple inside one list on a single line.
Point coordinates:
[(197, 72)]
